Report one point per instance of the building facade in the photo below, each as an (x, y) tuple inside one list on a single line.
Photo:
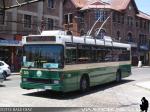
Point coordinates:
[(123, 22), (25, 20)]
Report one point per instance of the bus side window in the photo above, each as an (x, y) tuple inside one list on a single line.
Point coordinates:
[(108, 55), (124, 55), (93, 54), (84, 54), (70, 56), (115, 54), (100, 55)]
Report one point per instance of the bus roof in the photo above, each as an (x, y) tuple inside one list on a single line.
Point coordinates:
[(53, 32), (91, 41), (62, 37)]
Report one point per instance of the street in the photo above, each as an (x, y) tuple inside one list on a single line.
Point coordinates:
[(124, 95), (77, 43)]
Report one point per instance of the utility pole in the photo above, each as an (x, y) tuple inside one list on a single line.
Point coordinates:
[(2, 12)]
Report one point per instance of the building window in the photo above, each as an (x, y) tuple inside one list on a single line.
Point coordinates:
[(114, 17), (50, 3), (1, 20), (122, 19), (68, 18), (50, 24), (130, 7), (130, 21), (82, 32), (118, 16), (81, 17), (142, 39), (118, 35), (27, 21), (2, 17), (149, 26), (144, 24), (101, 34), (137, 23), (149, 43), (141, 23), (69, 32), (101, 15), (130, 38)]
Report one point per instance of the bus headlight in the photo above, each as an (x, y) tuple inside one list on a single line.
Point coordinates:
[(56, 81), (24, 79)]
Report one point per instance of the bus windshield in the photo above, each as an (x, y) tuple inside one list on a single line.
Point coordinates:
[(43, 56)]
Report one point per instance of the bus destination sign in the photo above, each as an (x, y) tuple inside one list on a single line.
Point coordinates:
[(40, 38)]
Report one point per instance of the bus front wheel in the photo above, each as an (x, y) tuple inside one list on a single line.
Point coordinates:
[(118, 76), (84, 84)]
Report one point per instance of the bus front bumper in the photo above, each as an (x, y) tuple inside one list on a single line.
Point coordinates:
[(53, 87)]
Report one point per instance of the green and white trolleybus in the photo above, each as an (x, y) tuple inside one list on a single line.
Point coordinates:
[(56, 61)]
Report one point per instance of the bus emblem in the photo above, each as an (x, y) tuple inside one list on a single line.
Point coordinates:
[(26, 72), (39, 73)]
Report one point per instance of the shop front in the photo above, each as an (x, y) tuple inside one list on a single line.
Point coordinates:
[(134, 56), (144, 54), (134, 53), (10, 52)]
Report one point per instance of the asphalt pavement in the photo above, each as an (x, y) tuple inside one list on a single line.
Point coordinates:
[(124, 97)]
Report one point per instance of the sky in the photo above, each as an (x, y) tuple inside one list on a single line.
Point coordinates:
[(143, 5)]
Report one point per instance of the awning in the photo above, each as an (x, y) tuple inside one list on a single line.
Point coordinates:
[(10, 43), (133, 44), (144, 47)]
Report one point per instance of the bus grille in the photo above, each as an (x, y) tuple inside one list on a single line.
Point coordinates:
[(44, 81)]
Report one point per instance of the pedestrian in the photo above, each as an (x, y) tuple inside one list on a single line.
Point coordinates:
[(144, 105)]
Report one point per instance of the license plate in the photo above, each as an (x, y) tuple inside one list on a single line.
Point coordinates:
[(48, 87)]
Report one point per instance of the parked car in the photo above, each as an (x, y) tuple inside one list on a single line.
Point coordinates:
[(5, 68), (1, 76)]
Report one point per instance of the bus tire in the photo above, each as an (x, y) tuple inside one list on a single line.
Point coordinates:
[(84, 83), (118, 76)]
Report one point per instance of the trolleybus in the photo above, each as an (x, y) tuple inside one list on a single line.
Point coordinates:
[(56, 61)]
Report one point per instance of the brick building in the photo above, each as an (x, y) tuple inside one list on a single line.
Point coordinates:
[(24, 20), (125, 24)]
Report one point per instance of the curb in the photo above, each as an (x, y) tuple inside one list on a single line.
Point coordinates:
[(142, 86)]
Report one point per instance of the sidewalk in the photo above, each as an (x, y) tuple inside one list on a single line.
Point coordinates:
[(145, 84)]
